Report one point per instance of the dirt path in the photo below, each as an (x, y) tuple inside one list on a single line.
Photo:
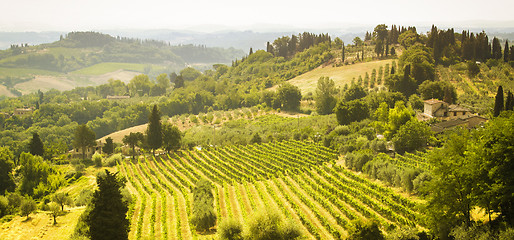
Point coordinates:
[(255, 196), (234, 204), (246, 202)]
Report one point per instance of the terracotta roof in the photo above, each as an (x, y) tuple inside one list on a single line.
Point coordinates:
[(457, 108), (433, 101)]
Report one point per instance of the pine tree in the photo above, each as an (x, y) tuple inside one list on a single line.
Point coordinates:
[(84, 138), (498, 103), (109, 146), (108, 216), (506, 55), (36, 146), (251, 52), (154, 130)]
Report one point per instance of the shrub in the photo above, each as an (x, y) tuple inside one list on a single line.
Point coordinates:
[(84, 197), (27, 207), (97, 159), (230, 229), (365, 230), (203, 210), (268, 224), (112, 160)]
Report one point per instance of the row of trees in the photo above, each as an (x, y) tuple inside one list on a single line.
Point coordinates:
[(288, 46)]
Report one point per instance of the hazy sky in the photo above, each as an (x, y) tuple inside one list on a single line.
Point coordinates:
[(75, 15)]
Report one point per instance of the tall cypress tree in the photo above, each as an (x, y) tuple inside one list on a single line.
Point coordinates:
[(154, 130), (509, 103), (498, 103), (108, 216), (36, 146), (497, 48), (342, 54), (506, 56)]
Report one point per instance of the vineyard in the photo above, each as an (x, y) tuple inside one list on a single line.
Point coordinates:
[(298, 178)]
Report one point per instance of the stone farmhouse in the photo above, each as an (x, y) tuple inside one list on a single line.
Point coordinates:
[(450, 116)]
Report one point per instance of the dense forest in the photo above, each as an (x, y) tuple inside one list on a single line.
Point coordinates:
[(349, 161)]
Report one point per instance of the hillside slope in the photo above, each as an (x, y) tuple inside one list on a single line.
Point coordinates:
[(77, 58)]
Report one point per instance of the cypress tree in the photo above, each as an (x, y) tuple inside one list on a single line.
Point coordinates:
[(108, 216), (251, 52), (36, 146), (154, 130), (511, 57), (506, 55), (498, 103), (343, 56), (497, 49), (509, 103)]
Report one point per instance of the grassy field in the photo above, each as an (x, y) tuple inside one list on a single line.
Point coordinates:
[(24, 72), (103, 68), (307, 82)]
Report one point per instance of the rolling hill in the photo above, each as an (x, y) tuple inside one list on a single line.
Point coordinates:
[(90, 58)]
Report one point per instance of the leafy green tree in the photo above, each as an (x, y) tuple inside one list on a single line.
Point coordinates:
[(325, 96), (352, 111), (34, 171), (163, 81), (498, 103), (437, 89), (407, 39), (107, 218), (449, 193), (36, 145), (354, 92), (289, 96), (171, 137), (84, 138), (190, 74), (204, 216), (357, 41), (493, 160), (179, 82), (421, 63), (133, 139), (55, 211), (412, 136), (140, 85), (108, 148), (6, 167), (62, 199), (27, 207), (154, 130), (397, 116)]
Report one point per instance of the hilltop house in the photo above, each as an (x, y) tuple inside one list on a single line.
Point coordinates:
[(23, 111), (450, 116), (77, 152)]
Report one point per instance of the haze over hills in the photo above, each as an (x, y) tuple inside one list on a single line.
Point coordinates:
[(254, 36)]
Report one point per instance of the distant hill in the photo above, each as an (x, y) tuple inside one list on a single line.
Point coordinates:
[(71, 60)]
